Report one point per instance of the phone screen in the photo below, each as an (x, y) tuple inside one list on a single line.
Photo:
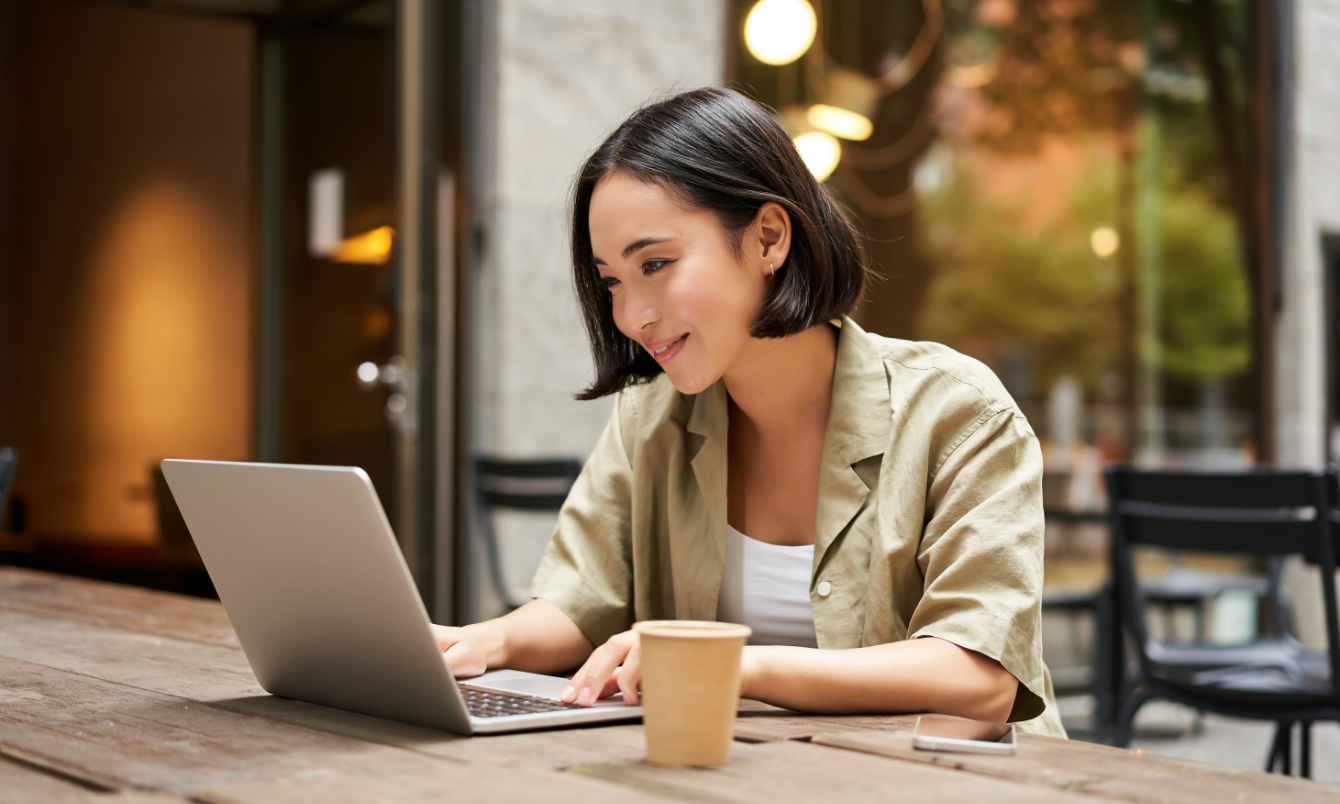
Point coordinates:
[(957, 728)]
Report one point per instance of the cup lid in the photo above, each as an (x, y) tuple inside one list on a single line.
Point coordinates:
[(693, 629)]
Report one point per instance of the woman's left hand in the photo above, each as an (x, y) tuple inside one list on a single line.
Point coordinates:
[(616, 666), (613, 667)]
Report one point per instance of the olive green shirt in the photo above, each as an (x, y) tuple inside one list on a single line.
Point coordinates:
[(929, 521)]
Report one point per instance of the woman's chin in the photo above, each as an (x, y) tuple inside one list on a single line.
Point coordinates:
[(689, 384)]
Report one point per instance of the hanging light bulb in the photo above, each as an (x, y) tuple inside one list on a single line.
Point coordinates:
[(840, 122), (780, 31), (369, 248), (820, 151), (850, 100)]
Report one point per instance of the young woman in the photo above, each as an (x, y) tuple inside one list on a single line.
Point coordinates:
[(871, 507)]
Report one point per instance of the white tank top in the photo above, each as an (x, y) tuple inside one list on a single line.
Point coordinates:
[(767, 587)]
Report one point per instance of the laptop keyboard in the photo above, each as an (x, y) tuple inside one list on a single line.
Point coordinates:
[(490, 703)]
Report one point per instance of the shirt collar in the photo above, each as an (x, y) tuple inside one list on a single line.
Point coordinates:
[(858, 428), (858, 422)]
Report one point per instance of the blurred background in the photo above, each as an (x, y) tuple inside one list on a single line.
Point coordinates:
[(333, 232)]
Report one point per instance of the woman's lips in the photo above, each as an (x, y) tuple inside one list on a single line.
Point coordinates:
[(668, 353)]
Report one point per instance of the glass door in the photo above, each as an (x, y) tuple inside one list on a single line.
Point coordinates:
[(356, 201)]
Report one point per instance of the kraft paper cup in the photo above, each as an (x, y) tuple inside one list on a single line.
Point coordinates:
[(690, 689)]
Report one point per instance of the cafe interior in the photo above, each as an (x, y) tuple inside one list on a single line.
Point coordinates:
[(305, 232)]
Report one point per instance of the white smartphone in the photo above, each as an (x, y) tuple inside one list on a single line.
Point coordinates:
[(945, 733)]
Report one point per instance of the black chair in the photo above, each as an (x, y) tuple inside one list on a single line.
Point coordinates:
[(9, 466), (529, 485), (1108, 662), (1267, 515)]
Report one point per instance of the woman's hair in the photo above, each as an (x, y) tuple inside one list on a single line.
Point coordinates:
[(721, 152)]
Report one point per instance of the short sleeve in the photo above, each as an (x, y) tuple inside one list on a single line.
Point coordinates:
[(981, 552), (587, 568)]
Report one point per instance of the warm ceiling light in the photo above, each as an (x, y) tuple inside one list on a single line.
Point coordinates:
[(978, 75), (369, 248), (780, 31), (820, 152), (840, 122), (1105, 241)]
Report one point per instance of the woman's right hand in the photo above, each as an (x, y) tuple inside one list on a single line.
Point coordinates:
[(536, 638), (463, 651)]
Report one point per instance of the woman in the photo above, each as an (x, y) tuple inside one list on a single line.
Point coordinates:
[(872, 507)]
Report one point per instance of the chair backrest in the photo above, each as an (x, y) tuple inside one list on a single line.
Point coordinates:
[(9, 466), (1264, 514), (527, 485), (519, 485)]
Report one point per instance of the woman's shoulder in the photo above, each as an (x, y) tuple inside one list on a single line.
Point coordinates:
[(917, 369)]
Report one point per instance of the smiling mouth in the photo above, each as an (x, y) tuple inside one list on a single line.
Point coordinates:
[(669, 350)]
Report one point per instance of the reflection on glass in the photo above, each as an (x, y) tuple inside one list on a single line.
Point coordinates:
[(1059, 190)]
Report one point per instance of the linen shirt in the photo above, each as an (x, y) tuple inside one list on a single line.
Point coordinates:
[(929, 517)]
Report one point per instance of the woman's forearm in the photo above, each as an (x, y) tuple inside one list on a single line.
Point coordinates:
[(537, 638), (916, 675)]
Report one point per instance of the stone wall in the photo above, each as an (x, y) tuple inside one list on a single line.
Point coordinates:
[(564, 73), (1312, 212)]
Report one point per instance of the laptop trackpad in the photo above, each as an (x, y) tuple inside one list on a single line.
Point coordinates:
[(520, 683)]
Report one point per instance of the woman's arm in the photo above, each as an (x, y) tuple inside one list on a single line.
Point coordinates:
[(538, 638), (915, 675)]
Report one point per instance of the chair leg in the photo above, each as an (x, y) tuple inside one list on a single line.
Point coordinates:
[(1108, 664), (1305, 749), (1276, 755), (1286, 749), (1133, 701)]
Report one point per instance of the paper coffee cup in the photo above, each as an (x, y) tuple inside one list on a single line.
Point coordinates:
[(690, 689)]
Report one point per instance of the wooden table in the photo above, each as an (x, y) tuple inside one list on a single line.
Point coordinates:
[(116, 694)]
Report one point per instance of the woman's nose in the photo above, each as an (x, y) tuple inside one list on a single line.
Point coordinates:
[(639, 311)]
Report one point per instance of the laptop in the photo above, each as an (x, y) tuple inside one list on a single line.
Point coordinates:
[(314, 583)]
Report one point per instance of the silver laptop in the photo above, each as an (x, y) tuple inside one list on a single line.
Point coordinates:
[(313, 581)]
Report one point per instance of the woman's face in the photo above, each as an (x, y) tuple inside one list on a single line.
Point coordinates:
[(677, 286)]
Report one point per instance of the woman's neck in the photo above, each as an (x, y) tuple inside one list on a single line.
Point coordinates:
[(779, 382)]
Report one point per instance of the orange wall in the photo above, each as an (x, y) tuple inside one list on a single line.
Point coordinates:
[(134, 282)]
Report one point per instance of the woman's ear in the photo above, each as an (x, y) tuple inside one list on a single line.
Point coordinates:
[(772, 235)]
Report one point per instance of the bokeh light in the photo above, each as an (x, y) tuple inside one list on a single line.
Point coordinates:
[(820, 151), (840, 122), (1105, 241), (780, 31)]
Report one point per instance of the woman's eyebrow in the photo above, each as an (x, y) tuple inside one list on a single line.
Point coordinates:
[(643, 243)]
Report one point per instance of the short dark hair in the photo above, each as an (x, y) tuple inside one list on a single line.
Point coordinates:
[(722, 152)]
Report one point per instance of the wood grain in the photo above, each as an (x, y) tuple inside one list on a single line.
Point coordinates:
[(786, 771), (147, 694), (755, 725), (23, 784), (222, 678), (115, 737), (127, 608), (1047, 762)]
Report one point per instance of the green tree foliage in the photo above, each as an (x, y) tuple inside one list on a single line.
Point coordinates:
[(1003, 284), (1207, 323)]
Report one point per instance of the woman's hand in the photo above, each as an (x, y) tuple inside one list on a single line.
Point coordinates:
[(613, 667), (463, 651), (536, 638)]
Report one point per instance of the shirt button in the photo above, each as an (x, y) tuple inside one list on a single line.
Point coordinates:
[(824, 588)]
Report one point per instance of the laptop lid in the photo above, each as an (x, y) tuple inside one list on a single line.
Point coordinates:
[(314, 583)]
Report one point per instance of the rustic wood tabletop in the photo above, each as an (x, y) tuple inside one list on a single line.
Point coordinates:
[(116, 694)]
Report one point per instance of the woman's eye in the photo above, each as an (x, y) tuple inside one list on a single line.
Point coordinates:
[(609, 282), (652, 266)]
